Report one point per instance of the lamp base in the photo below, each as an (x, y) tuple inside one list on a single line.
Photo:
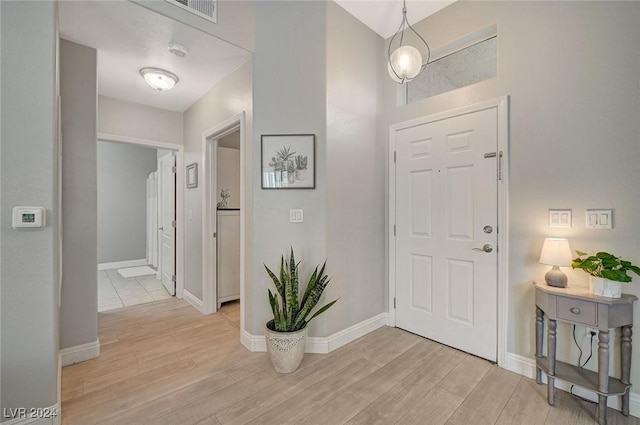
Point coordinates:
[(555, 277)]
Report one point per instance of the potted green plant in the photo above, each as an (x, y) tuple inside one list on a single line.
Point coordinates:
[(606, 272), (286, 333), (301, 167)]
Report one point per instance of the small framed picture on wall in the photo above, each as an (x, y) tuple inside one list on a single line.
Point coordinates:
[(192, 175), (288, 161)]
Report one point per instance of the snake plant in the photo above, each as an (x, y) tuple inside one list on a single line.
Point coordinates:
[(291, 314)]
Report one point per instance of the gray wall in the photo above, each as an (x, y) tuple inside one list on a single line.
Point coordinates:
[(139, 121), (289, 80), (29, 283), (355, 203), (571, 71), (228, 98), (78, 90), (122, 200), (235, 20)]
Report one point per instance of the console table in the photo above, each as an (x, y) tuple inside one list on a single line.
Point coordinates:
[(580, 307)]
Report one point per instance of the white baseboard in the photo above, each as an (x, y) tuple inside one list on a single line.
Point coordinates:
[(122, 264), (253, 343), (527, 367), (46, 416), (193, 300), (322, 345), (80, 353)]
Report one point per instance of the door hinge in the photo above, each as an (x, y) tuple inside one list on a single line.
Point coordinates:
[(173, 224), (394, 230), (173, 278), (215, 234), (394, 302), (500, 166), (174, 169), (394, 157)]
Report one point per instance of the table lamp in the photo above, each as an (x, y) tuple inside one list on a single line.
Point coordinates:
[(556, 252)]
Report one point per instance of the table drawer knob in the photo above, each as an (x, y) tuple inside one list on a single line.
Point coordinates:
[(574, 310)]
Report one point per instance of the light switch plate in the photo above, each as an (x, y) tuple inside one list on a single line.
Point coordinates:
[(559, 218), (296, 216), (599, 219)]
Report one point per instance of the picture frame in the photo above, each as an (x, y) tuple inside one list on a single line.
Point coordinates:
[(192, 176), (288, 161)]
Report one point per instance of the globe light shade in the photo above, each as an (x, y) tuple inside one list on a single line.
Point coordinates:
[(159, 79), (406, 61)]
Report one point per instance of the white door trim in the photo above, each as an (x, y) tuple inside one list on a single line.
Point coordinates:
[(209, 209), (502, 105), (180, 225)]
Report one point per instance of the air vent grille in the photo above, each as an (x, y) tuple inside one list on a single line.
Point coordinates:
[(204, 8)]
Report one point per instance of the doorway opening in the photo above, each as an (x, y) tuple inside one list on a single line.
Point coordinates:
[(140, 235), (223, 215)]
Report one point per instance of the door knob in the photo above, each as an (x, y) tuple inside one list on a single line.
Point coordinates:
[(485, 248), (160, 228)]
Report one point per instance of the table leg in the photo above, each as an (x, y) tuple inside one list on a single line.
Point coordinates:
[(626, 366), (551, 358), (539, 341), (603, 375)]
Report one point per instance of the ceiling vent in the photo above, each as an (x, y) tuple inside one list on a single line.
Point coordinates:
[(205, 8)]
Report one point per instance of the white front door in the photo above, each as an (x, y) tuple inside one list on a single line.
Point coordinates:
[(166, 220), (446, 212)]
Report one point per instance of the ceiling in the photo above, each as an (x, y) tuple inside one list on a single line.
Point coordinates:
[(384, 16), (129, 37)]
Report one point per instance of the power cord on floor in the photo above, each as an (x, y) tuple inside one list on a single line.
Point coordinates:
[(580, 364)]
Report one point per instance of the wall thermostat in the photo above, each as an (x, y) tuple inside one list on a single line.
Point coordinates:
[(28, 217)]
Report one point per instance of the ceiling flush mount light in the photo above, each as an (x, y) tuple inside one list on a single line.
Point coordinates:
[(159, 79), (405, 63)]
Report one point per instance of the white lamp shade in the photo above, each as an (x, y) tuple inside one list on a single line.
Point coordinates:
[(556, 252), (406, 61), (159, 79)]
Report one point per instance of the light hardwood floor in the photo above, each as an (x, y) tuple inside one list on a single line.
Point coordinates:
[(165, 364)]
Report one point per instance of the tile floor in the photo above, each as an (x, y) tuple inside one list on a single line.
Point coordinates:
[(114, 291)]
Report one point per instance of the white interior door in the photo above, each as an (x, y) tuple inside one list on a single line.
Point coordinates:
[(446, 212), (166, 220), (153, 228)]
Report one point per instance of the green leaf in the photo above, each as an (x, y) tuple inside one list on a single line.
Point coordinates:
[(275, 308), (323, 309), (312, 283), (635, 269), (616, 275), (605, 256), (276, 282)]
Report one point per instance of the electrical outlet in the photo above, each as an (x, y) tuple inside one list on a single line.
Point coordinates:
[(592, 331)]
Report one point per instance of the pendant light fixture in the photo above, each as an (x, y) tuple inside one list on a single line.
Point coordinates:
[(159, 79), (405, 63)]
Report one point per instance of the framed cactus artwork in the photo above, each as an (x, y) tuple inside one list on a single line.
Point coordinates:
[(288, 161)]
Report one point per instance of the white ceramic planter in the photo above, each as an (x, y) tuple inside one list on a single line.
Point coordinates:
[(286, 349), (605, 287)]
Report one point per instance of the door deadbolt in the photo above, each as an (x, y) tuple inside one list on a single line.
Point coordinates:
[(485, 248), (487, 229)]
